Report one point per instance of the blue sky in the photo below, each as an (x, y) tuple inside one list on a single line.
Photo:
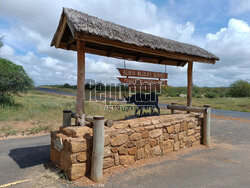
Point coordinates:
[(220, 26)]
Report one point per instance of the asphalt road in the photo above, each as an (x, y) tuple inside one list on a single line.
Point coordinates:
[(225, 164), (20, 157), (225, 113)]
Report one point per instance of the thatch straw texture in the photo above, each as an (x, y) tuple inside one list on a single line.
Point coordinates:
[(83, 23)]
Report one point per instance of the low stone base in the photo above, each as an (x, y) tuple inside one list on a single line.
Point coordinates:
[(125, 143)]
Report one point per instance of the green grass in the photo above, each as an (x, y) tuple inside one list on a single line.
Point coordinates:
[(42, 107), (42, 112), (36, 105), (235, 104)]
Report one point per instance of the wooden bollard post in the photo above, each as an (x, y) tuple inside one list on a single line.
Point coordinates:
[(66, 118), (206, 125), (172, 110), (98, 149)]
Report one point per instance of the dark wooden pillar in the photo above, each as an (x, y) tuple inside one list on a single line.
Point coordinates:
[(80, 98), (190, 83)]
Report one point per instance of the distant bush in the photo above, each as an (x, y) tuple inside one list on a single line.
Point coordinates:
[(239, 88), (66, 85), (198, 96), (173, 91), (210, 95)]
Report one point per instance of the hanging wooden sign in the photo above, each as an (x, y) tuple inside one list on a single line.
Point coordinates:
[(139, 73), (141, 81), (142, 84)]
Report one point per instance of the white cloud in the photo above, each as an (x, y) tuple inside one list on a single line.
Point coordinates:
[(36, 21), (33, 23), (232, 45), (7, 51)]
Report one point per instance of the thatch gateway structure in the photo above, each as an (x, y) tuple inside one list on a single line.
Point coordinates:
[(73, 148), (87, 34)]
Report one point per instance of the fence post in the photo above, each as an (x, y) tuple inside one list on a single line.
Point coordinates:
[(66, 118), (172, 110), (98, 149), (206, 125)]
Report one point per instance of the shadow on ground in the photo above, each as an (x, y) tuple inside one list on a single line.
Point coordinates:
[(30, 156)]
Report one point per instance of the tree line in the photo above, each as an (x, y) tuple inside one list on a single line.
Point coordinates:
[(239, 88)]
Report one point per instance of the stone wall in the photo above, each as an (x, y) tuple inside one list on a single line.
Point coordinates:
[(125, 142)]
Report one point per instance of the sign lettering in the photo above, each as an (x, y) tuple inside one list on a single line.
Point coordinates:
[(139, 73)]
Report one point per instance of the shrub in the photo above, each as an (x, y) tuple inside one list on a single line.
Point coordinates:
[(8, 100), (198, 96), (239, 88), (210, 95)]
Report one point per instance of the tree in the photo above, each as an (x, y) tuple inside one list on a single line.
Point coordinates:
[(13, 80), (239, 88)]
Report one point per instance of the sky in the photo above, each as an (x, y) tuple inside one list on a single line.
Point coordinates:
[(219, 26)]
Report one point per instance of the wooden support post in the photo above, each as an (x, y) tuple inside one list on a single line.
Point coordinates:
[(206, 125), (190, 83), (80, 97), (98, 149)]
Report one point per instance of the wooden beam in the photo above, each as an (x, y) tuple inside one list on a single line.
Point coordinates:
[(160, 61), (138, 57), (109, 52), (71, 40), (174, 106), (123, 56), (183, 63), (80, 97), (69, 43), (190, 83), (145, 50), (60, 31)]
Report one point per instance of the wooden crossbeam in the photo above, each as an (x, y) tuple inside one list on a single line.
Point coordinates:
[(114, 54), (149, 51)]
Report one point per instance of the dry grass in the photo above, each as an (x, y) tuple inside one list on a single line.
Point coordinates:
[(41, 112)]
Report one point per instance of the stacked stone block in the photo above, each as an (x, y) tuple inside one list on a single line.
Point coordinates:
[(125, 142)]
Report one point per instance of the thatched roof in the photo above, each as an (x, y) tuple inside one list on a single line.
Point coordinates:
[(83, 24)]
